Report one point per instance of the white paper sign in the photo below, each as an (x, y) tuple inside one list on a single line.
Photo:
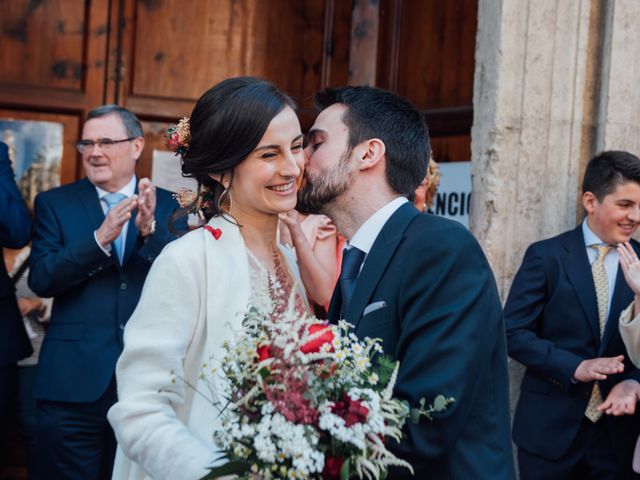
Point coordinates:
[(166, 172), (454, 193)]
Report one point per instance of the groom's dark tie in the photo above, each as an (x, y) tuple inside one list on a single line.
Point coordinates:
[(351, 261)]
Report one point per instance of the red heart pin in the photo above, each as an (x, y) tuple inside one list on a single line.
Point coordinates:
[(216, 232)]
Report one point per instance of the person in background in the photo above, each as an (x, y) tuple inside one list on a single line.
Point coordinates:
[(93, 245), (315, 240), (35, 313), (15, 232), (562, 325), (424, 195)]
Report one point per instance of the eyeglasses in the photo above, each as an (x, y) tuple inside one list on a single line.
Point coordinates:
[(104, 143)]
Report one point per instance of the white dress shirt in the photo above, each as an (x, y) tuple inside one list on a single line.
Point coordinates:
[(368, 232), (128, 190), (611, 261)]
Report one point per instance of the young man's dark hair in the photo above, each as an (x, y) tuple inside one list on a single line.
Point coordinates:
[(375, 113), (609, 169)]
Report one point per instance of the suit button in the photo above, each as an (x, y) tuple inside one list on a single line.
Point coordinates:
[(122, 326), (123, 286)]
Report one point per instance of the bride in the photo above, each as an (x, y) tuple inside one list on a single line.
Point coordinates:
[(246, 152)]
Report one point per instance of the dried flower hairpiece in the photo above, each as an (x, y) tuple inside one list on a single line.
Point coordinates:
[(195, 202), (179, 137)]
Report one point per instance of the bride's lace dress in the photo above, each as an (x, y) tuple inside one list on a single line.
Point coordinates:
[(274, 290)]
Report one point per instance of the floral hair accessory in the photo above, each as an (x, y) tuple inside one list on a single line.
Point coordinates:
[(179, 136), (195, 202)]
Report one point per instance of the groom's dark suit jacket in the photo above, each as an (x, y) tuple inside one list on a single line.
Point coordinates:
[(552, 325), (93, 294), (443, 321)]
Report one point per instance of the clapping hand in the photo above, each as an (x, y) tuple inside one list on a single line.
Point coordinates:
[(630, 266), (146, 206), (115, 219)]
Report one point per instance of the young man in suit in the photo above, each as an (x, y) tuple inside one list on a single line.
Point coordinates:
[(15, 232), (562, 324), (93, 245), (419, 282)]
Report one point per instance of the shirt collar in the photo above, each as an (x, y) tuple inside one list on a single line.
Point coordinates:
[(369, 230), (128, 190), (590, 238)]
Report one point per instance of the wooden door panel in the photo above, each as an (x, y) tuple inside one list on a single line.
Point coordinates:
[(426, 53), (427, 50), (26, 28), (173, 50), (451, 149), (54, 53)]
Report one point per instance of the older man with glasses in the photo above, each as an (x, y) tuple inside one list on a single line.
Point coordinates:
[(93, 245)]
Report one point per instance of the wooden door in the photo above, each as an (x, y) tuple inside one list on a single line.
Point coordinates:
[(53, 64), (426, 52), (173, 51)]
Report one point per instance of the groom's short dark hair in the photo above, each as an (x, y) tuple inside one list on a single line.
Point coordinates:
[(376, 113)]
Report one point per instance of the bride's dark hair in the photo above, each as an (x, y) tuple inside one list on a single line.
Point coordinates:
[(226, 125)]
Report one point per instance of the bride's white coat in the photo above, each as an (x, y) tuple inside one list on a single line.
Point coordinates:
[(193, 300)]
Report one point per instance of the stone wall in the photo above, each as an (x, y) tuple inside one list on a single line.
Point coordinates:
[(556, 81)]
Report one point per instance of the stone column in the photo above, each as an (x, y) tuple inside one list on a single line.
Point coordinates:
[(531, 122), (528, 126), (556, 81), (619, 107)]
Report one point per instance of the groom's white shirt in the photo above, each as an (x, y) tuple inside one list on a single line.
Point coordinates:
[(368, 232)]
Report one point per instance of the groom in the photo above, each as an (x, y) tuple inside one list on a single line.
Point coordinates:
[(419, 282)]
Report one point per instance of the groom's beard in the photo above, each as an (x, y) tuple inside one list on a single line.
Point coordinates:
[(318, 192)]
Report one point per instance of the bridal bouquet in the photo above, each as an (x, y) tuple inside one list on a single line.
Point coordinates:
[(308, 400)]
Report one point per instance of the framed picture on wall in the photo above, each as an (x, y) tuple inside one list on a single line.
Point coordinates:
[(35, 150)]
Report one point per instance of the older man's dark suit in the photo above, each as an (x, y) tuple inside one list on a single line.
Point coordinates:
[(552, 325), (443, 322), (15, 232), (93, 299)]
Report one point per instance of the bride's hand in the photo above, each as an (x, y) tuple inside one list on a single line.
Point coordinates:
[(630, 266)]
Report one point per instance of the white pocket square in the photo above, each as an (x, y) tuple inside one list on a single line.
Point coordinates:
[(372, 307)]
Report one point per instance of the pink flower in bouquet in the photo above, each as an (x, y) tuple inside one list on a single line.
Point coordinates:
[(352, 411), (314, 345)]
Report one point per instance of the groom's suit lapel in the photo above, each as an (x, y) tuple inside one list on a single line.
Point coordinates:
[(377, 260)]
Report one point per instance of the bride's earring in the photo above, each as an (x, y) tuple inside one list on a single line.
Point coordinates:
[(224, 200)]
